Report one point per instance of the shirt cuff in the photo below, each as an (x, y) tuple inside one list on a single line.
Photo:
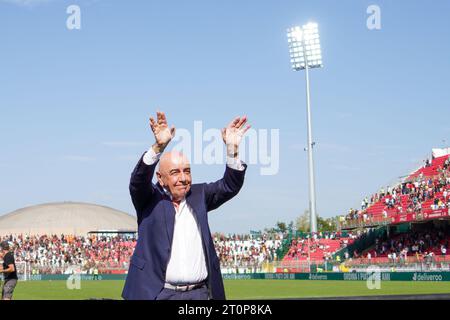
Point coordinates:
[(235, 163), (150, 157)]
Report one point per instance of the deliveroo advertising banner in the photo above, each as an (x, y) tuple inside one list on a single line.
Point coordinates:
[(350, 276)]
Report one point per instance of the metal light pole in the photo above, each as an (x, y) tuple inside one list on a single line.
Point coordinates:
[(312, 185), (304, 48)]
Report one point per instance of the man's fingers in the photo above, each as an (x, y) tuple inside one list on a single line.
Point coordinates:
[(152, 124), (246, 129), (241, 122), (163, 117), (233, 122), (159, 117)]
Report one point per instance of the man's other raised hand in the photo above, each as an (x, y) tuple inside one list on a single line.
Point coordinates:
[(163, 134)]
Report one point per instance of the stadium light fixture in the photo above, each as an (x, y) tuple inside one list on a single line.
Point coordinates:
[(304, 47), (305, 53)]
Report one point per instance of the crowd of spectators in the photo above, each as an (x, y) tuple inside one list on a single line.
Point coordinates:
[(247, 251), (418, 244), (418, 190), (325, 244), (55, 254)]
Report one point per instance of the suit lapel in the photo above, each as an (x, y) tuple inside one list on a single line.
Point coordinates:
[(169, 216), (193, 202), (169, 213)]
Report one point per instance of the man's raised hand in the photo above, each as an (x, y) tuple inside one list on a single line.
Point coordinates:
[(233, 133), (163, 134)]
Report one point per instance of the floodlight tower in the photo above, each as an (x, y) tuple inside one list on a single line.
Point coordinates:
[(304, 49)]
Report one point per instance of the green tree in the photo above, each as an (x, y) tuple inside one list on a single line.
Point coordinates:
[(281, 226), (302, 222), (326, 225), (291, 226)]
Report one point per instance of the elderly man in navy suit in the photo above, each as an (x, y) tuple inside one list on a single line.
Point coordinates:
[(174, 256)]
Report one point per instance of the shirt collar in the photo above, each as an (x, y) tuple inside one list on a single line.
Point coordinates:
[(167, 192)]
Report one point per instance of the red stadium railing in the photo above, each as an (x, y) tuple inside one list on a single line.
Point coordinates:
[(409, 259), (427, 214)]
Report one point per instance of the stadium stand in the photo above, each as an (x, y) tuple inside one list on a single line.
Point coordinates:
[(408, 226), (317, 248), (247, 253), (53, 254), (411, 246), (424, 193)]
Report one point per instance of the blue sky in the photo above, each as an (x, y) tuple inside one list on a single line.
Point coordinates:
[(74, 104)]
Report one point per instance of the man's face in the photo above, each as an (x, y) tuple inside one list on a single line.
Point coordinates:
[(175, 175)]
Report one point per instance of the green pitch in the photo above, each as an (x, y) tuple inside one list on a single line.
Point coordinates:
[(235, 289)]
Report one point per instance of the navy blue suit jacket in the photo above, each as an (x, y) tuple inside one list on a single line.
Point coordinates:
[(156, 219)]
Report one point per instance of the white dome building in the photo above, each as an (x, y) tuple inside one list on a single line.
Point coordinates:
[(72, 218)]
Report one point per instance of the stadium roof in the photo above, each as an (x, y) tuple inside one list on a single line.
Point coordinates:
[(65, 218)]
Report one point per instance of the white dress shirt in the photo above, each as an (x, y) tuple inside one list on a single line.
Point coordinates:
[(187, 263)]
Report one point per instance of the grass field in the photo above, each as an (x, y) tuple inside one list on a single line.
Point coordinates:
[(235, 289)]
